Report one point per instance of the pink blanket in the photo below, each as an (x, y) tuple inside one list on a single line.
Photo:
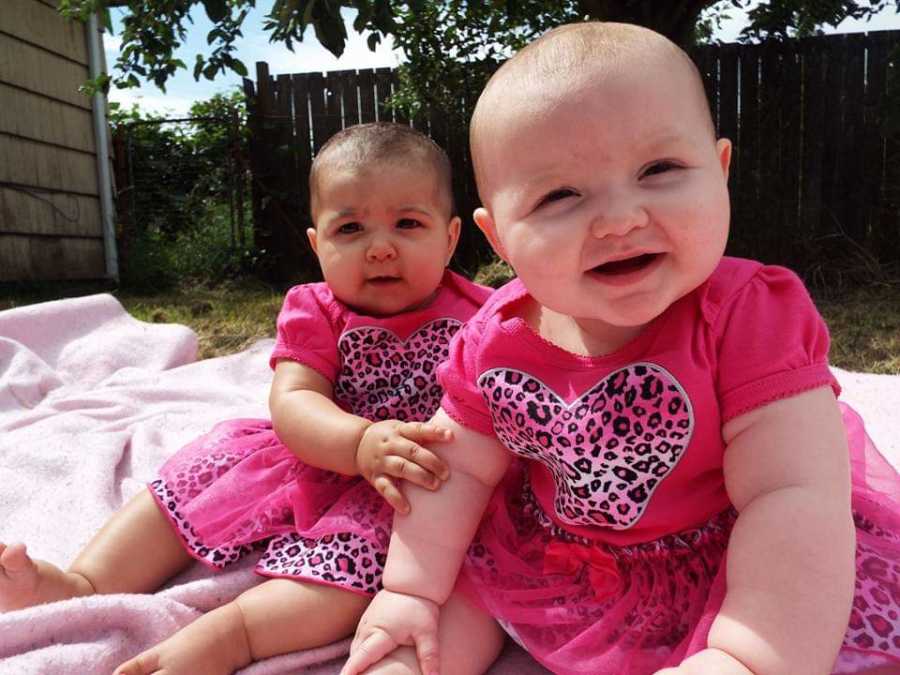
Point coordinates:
[(91, 403)]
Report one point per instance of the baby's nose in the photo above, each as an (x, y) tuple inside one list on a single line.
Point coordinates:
[(617, 217), (381, 249)]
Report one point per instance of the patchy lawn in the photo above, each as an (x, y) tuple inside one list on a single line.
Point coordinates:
[(865, 328), (864, 323)]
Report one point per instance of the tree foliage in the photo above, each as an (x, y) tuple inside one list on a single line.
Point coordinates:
[(434, 34)]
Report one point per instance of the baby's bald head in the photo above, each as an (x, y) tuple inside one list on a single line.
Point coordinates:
[(367, 147), (572, 57)]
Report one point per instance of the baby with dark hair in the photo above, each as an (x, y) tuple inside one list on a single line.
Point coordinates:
[(315, 487)]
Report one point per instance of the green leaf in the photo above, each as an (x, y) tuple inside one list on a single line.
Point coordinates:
[(330, 29), (216, 10), (106, 19), (198, 67), (238, 66)]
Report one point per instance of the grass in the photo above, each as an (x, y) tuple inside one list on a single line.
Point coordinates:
[(864, 323), (226, 318), (865, 328)]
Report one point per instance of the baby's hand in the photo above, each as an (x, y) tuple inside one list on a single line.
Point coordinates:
[(391, 449), (708, 662), (392, 620)]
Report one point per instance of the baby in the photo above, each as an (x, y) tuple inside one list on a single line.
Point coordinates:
[(355, 383), (687, 503)]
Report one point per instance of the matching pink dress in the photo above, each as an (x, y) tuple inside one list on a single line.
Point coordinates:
[(238, 488), (602, 552)]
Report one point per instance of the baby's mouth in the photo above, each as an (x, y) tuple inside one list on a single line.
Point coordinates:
[(382, 280), (626, 265)]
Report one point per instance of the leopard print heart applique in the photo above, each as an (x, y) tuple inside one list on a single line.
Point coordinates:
[(384, 377), (608, 450)]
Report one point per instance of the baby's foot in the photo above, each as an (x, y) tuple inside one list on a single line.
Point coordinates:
[(25, 582), (214, 644)]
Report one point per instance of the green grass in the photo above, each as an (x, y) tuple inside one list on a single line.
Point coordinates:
[(865, 328), (227, 319), (864, 323)]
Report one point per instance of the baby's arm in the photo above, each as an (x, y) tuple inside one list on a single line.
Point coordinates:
[(427, 549), (322, 434), (790, 562)]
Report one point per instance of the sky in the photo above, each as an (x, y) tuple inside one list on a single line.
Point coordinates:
[(308, 56)]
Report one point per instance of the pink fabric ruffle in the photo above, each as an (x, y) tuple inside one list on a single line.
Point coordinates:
[(581, 606)]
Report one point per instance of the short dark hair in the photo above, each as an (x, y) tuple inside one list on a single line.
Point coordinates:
[(362, 145)]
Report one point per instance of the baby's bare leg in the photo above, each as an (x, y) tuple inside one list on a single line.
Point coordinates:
[(470, 641), (135, 552), (276, 617)]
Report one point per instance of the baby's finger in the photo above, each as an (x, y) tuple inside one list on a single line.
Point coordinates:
[(424, 457), (424, 432), (368, 652), (400, 467), (427, 653), (388, 489)]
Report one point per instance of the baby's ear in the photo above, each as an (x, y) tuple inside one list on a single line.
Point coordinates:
[(453, 230), (723, 149), (486, 224), (311, 235)]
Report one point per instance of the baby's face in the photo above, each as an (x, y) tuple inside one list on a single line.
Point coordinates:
[(608, 197), (383, 236)]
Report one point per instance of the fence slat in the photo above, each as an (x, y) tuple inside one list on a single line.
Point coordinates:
[(349, 98), (833, 102), (812, 168), (747, 198), (770, 238), (852, 211), (317, 112), (791, 149), (302, 126), (873, 141), (728, 105), (334, 85), (367, 95), (889, 224)]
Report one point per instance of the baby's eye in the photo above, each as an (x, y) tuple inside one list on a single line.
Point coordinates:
[(349, 228), (408, 223), (659, 167), (557, 195)]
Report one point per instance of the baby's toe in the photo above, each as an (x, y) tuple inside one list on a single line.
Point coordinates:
[(142, 664), (14, 558)]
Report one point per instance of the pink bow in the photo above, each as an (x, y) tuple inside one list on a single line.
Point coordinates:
[(570, 558)]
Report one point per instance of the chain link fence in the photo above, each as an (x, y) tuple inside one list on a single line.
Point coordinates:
[(182, 213)]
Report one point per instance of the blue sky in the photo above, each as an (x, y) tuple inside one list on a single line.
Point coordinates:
[(309, 56)]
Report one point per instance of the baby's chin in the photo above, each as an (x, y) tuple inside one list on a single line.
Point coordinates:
[(388, 308)]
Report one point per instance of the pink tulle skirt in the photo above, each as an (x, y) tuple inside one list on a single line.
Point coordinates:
[(584, 607), (238, 488)]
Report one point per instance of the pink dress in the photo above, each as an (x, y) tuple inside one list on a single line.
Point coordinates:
[(238, 488), (602, 550)]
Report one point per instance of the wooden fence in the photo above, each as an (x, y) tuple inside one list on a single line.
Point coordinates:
[(815, 178)]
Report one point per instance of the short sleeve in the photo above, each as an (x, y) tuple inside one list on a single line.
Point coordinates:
[(772, 343), (306, 330), (458, 375)]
